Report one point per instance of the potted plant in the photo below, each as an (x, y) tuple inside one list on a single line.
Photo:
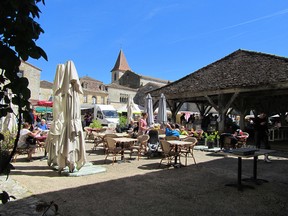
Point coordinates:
[(122, 124), (96, 125), (211, 138)]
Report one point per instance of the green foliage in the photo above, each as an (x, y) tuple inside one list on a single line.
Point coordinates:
[(18, 35), (8, 140), (122, 121), (212, 137), (95, 124)]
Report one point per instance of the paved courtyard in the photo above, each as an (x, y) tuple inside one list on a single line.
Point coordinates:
[(143, 188)]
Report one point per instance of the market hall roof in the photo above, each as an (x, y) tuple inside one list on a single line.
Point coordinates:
[(241, 71)]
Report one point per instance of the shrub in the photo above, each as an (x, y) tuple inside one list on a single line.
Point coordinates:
[(95, 124)]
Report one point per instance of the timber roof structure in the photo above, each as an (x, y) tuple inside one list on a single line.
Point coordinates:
[(255, 77)]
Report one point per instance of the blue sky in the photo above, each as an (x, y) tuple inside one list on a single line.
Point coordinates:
[(166, 39)]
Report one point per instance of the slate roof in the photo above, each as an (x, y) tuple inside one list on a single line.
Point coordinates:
[(45, 84)]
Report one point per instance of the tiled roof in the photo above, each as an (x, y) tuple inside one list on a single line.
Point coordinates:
[(46, 84), (115, 85), (241, 69), (89, 78), (121, 63), (155, 79)]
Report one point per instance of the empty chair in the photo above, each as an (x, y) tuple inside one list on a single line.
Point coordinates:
[(88, 131), (112, 149), (141, 146), (168, 152), (189, 148), (242, 140), (104, 140), (227, 141)]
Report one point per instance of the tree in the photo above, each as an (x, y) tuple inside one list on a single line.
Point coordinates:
[(18, 34)]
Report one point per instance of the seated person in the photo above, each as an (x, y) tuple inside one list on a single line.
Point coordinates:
[(42, 125), (26, 139), (183, 131), (171, 131)]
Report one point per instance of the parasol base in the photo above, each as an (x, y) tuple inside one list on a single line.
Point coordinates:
[(87, 169)]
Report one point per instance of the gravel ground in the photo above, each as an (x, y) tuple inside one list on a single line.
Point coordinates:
[(143, 188)]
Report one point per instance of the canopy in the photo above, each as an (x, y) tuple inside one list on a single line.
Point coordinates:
[(72, 144), (149, 110), (45, 103), (43, 109), (53, 139), (162, 110)]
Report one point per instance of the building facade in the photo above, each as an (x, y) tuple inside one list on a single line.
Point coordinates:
[(95, 92), (33, 74), (125, 82)]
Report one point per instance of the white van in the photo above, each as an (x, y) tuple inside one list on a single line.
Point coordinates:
[(106, 114)]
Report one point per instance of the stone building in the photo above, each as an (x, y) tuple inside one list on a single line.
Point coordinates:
[(33, 74), (125, 82), (46, 92), (95, 91)]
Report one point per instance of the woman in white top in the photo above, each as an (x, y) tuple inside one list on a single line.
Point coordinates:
[(23, 141)]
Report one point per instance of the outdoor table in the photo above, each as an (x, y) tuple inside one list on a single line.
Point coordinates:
[(40, 139), (254, 178), (181, 137), (177, 143), (123, 143), (122, 134)]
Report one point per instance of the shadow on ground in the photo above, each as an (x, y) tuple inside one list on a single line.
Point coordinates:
[(193, 190)]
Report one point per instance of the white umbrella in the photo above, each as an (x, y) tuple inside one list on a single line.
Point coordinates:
[(149, 110), (9, 122), (52, 141), (130, 106), (72, 143), (162, 110)]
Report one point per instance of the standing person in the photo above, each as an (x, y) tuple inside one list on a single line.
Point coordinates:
[(261, 133), (143, 124), (183, 120), (205, 122)]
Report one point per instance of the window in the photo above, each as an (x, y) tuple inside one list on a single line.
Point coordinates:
[(94, 100), (115, 76), (84, 85), (85, 99), (123, 98)]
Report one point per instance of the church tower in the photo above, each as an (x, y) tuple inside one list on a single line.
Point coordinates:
[(120, 67)]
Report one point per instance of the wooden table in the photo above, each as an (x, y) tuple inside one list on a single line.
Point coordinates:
[(123, 143), (177, 143), (181, 137)]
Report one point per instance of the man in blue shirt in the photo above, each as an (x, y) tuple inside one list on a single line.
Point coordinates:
[(171, 131), (42, 125)]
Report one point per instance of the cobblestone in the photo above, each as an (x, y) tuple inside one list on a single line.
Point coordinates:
[(25, 202)]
